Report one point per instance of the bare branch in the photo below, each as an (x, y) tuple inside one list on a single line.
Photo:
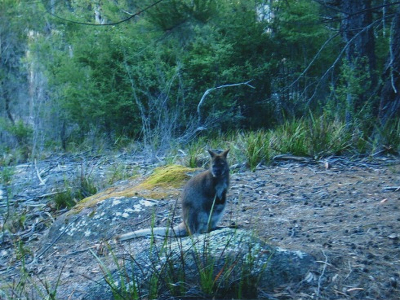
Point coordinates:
[(313, 59), (131, 16), (339, 56), (220, 87), (42, 182)]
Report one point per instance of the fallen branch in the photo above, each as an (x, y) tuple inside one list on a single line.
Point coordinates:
[(292, 157), (322, 274), (392, 188), (42, 182)]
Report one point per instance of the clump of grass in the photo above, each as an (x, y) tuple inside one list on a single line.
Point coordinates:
[(291, 138), (256, 147), (314, 136), (387, 137), (195, 151), (74, 190), (6, 175), (188, 268), (64, 199), (326, 137), (118, 172)]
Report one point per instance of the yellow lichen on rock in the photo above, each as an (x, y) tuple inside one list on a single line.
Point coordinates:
[(169, 176), (162, 183)]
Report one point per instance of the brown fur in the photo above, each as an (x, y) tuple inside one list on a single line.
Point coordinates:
[(202, 193)]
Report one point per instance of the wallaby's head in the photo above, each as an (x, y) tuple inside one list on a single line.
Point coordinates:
[(219, 165)]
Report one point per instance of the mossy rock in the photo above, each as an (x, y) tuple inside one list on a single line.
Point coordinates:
[(163, 182), (169, 176)]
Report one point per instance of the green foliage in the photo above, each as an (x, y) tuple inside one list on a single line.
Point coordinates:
[(194, 152), (21, 134), (6, 175), (304, 50), (149, 86), (349, 102), (142, 79)]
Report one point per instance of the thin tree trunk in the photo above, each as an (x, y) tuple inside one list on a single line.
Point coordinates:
[(389, 106), (357, 33), (8, 109)]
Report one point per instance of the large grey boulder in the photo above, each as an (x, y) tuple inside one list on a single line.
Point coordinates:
[(225, 263)]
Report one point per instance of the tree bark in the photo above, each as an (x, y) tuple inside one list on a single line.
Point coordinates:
[(357, 33), (389, 106)]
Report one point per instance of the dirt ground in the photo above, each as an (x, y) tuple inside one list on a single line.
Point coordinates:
[(344, 212)]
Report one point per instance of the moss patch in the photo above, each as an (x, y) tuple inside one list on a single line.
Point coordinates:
[(170, 176), (163, 182)]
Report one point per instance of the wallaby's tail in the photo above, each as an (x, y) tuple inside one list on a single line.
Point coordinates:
[(178, 231)]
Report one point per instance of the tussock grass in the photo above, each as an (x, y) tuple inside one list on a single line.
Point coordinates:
[(387, 137), (198, 268), (80, 186), (256, 147), (312, 136)]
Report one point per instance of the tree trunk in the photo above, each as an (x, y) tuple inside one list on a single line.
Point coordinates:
[(358, 35), (8, 109), (389, 106)]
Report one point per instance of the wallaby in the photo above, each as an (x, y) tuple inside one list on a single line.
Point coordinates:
[(203, 202)]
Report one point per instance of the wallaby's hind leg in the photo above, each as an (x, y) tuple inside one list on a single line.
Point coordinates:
[(197, 221), (206, 223)]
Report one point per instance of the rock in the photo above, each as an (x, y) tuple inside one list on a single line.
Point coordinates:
[(225, 263), (97, 222), (99, 216)]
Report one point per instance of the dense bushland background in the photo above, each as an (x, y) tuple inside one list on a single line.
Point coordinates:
[(307, 77)]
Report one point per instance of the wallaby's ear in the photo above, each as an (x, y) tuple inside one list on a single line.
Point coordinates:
[(212, 153), (225, 153)]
